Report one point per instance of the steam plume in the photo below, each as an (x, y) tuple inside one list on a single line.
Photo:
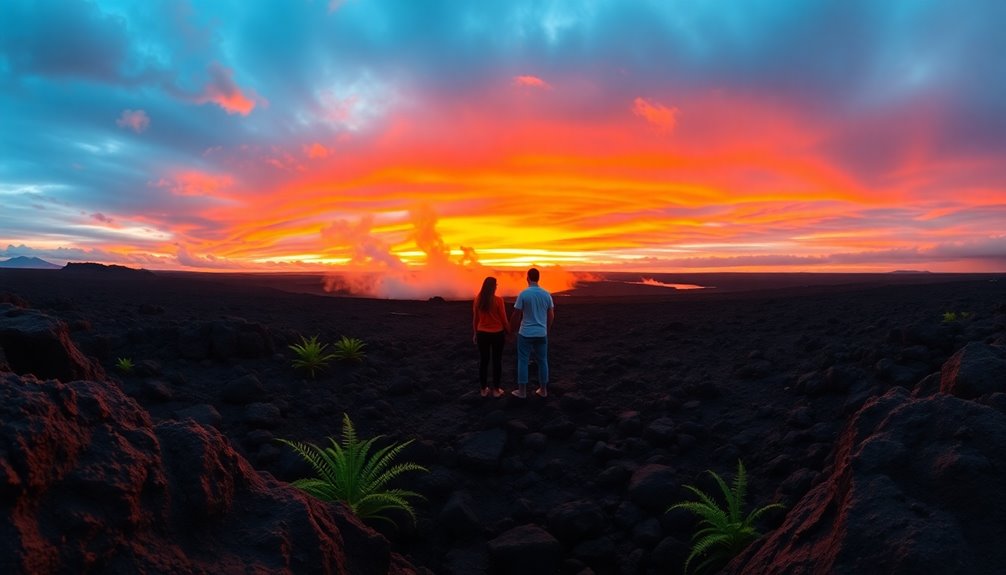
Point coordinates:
[(375, 271)]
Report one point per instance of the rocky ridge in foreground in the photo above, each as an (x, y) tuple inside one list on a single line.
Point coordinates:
[(916, 486), (820, 395), (88, 484)]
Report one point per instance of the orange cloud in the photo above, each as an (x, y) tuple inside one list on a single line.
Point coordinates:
[(531, 82), (315, 151), (657, 114), (224, 92)]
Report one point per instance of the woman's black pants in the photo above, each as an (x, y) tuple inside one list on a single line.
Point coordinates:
[(490, 348)]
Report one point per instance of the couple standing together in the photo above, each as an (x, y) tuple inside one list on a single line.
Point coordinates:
[(534, 312)]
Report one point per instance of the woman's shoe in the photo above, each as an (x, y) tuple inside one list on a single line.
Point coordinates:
[(485, 392), (499, 392)]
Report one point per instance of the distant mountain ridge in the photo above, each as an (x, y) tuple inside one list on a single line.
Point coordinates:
[(109, 270), (25, 262)]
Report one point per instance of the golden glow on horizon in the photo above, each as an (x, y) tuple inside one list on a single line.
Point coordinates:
[(703, 185)]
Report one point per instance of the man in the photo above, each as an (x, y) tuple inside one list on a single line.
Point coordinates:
[(534, 312)]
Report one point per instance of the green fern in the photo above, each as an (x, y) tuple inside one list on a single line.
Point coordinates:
[(348, 472), (125, 365), (949, 317), (724, 532), (349, 349), (312, 356)]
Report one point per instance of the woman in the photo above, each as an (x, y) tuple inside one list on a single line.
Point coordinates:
[(490, 326)]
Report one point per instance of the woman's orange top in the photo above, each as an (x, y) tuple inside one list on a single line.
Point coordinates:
[(491, 321)]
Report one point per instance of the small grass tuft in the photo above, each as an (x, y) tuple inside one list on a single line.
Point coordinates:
[(312, 356), (125, 365), (350, 349), (349, 472), (724, 532), (953, 316)]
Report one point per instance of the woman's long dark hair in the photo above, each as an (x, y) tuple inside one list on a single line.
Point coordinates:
[(486, 293)]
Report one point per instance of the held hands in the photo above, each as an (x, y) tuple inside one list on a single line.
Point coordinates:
[(475, 339)]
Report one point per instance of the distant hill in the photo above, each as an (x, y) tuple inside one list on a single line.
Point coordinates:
[(32, 263), (910, 272), (109, 270)]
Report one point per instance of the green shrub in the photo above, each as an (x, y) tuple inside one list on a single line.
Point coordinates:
[(348, 472), (349, 349), (311, 355), (125, 365), (953, 316), (724, 532)]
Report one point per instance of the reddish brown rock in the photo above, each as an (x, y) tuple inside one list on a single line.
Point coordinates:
[(38, 344), (89, 484), (916, 489), (976, 369)]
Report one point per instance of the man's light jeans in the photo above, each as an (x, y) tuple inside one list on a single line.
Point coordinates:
[(525, 345)]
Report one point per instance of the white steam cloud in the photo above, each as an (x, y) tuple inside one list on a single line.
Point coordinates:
[(375, 271)]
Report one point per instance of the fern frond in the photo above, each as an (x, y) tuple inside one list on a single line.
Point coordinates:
[(377, 469), (377, 503), (705, 499), (740, 490), (724, 531), (757, 513), (349, 471), (709, 515), (318, 488)]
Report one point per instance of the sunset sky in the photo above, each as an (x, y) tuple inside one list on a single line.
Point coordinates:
[(671, 135)]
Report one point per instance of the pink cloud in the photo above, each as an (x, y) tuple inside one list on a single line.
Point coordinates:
[(531, 82), (135, 120), (194, 183), (316, 151), (224, 92), (655, 113)]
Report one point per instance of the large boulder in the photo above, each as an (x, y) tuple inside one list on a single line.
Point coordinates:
[(654, 487), (976, 369), (88, 484), (483, 449), (576, 520), (38, 344), (916, 488)]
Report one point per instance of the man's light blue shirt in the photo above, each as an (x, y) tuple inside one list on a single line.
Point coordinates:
[(534, 303)]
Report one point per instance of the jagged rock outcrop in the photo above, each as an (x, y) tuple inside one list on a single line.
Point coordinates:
[(39, 344), (88, 484), (916, 488)]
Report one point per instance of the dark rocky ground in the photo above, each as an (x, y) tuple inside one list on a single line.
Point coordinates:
[(878, 425)]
